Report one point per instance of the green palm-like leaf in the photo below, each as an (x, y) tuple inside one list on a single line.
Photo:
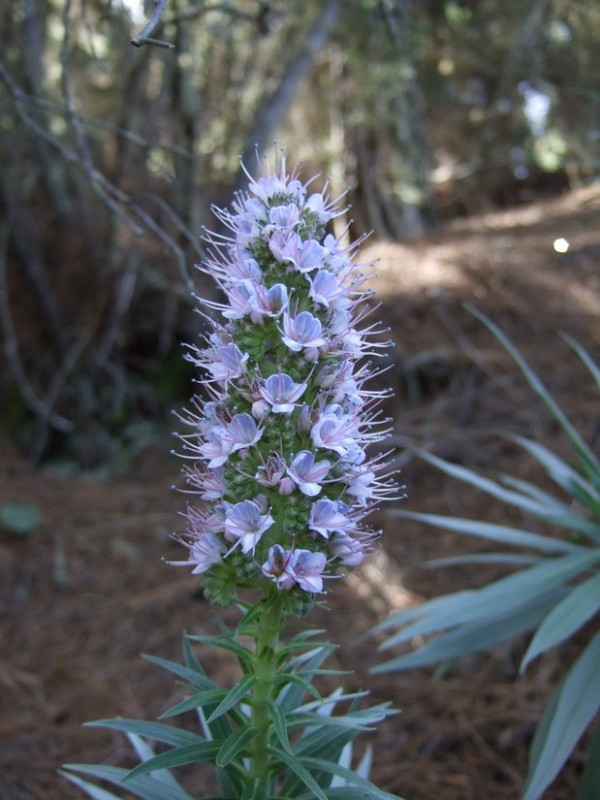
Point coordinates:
[(575, 704), (567, 617), (505, 596), (504, 534), (474, 637)]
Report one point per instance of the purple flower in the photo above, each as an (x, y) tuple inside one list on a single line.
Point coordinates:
[(335, 430), (216, 447), (278, 567), (329, 516), (282, 385), (205, 551), (288, 248), (270, 302), (271, 472), (349, 551), (319, 206), (302, 331), (326, 290), (286, 217), (281, 392), (245, 524), (209, 483), (229, 362), (308, 570), (307, 474), (242, 431), (240, 297)]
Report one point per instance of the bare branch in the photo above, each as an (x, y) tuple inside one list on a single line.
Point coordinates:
[(11, 353), (143, 36), (101, 124)]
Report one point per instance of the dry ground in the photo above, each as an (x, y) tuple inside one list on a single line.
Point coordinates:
[(87, 592)]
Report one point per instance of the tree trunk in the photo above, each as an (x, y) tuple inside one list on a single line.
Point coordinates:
[(271, 113)]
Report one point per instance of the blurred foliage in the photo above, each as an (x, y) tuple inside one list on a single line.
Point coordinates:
[(552, 591), (113, 155)]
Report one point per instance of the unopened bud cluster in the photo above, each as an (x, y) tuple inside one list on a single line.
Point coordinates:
[(277, 444)]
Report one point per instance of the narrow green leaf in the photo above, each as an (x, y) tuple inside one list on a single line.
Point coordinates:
[(93, 791), (576, 704), (197, 700), (296, 766), (190, 675), (145, 752), (562, 473), (144, 786), (348, 775), (488, 530), (507, 594), (227, 643), (191, 660), (233, 697), (554, 511), (280, 725), (585, 357), (152, 730), (177, 757), (507, 559), (568, 616), (472, 638), (234, 745)]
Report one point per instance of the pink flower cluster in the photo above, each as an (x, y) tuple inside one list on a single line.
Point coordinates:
[(277, 446)]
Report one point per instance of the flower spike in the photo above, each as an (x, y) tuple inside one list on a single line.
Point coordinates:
[(279, 441)]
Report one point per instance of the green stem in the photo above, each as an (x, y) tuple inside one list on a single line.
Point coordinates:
[(269, 626)]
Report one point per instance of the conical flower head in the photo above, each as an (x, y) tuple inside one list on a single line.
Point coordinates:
[(279, 442)]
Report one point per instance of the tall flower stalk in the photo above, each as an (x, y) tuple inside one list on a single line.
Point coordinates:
[(277, 443), (276, 459)]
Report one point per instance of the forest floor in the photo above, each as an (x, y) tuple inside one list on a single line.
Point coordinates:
[(87, 592)]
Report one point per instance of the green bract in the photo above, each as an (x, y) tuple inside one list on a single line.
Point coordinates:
[(554, 592)]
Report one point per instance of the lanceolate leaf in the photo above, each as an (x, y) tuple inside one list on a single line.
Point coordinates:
[(349, 776), (234, 745), (585, 357), (152, 730), (503, 596), (576, 703), (93, 791), (295, 765), (473, 637), (496, 533), (233, 697), (492, 487), (280, 726), (177, 757), (568, 616), (563, 474), (190, 675), (144, 786)]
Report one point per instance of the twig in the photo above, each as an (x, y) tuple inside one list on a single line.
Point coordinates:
[(143, 36), (11, 353), (101, 124)]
